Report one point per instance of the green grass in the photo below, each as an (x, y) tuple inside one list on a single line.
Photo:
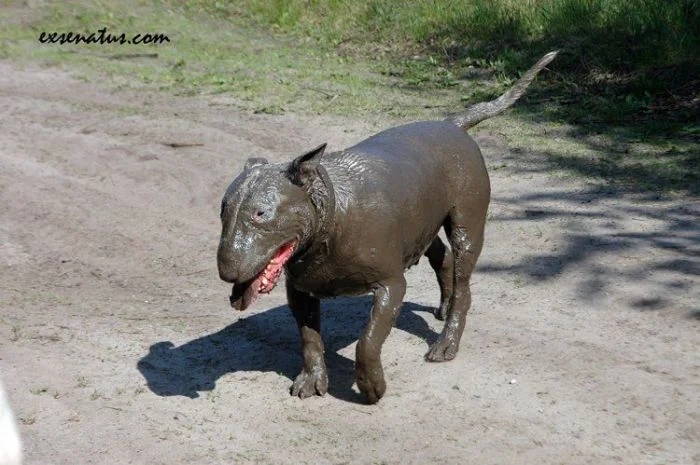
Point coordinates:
[(628, 72), (627, 76), (267, 72), (621, 59), (613, 35)]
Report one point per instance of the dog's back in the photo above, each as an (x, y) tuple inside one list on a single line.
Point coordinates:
[(403, 182)]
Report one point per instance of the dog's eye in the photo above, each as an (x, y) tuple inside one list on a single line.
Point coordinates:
[(259, 215)]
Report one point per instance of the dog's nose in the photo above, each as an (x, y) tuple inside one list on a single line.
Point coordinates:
[(227, 276), (227, 271)]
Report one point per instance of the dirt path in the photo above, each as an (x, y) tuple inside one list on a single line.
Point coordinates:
[(117, 344)]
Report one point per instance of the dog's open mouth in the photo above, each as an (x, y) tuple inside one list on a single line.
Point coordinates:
[(245, 294)]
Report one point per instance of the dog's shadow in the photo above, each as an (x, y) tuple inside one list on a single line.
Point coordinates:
[(270, 341)]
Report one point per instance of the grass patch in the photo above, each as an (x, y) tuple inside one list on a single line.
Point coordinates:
[(623, 61), (623, 161), (208, 52), (627, 74)]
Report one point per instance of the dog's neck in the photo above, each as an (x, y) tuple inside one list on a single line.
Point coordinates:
[(323, 201), (328, 205)]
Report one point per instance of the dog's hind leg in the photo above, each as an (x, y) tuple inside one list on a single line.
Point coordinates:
[(442, 261), (466, 242)]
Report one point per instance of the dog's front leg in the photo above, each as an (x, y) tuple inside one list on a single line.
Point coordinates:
[(369, 375), (313, 378)]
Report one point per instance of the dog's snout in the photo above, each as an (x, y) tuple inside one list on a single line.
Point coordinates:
[(227, 270), (227, 275)]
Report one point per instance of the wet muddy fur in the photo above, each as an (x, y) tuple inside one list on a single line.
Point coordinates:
[(351, 223)]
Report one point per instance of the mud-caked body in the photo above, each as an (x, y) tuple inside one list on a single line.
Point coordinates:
[(394, 191), (351, 222)]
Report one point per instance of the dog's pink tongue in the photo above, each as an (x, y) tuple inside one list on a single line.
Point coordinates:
[(245, 294)]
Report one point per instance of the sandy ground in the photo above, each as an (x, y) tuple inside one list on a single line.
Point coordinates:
[(117, 344)]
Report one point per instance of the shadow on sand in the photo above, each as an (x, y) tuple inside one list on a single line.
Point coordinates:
[(269, 341)]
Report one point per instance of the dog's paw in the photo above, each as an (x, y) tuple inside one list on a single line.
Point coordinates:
[(440, 312), (370, 382), (443, 350), (311, 383)]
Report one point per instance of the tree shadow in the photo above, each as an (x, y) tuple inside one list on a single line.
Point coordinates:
[(608, 242), (647, 65), (626, 164), (269, 342)]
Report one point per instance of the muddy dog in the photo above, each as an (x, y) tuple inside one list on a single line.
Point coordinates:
[(351, 223)]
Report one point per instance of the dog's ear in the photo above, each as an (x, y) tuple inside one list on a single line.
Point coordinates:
[(253, 162), (302, 171)]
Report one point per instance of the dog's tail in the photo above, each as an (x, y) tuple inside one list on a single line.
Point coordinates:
[(484, 110)]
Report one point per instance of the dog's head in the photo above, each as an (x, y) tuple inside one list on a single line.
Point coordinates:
[(267, 213)]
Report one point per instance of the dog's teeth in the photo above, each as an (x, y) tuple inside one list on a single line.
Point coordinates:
[(265, 280)]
